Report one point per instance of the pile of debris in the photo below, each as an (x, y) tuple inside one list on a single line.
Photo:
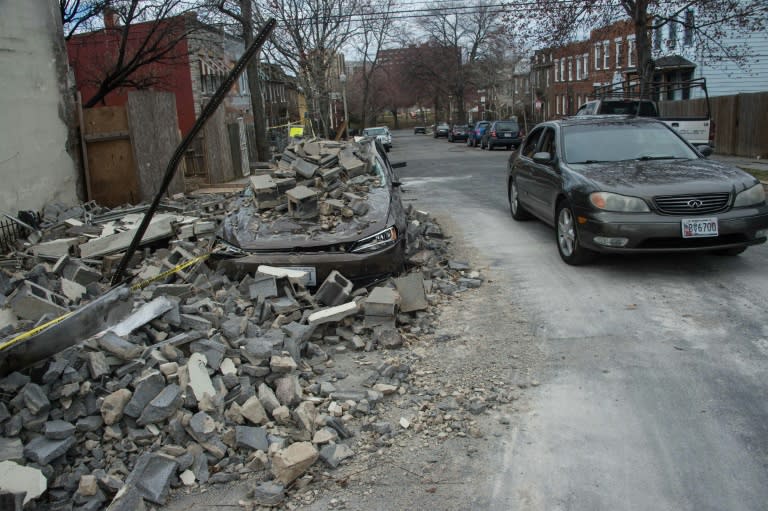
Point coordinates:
[(207, 380)]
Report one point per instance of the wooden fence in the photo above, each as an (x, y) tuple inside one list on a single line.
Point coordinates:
[(741, 121)]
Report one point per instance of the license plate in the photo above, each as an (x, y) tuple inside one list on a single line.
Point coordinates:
[(508, 135), (311, 272), (699, 227)]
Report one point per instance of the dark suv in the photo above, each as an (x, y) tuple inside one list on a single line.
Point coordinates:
[(502, 133), (476, 133)]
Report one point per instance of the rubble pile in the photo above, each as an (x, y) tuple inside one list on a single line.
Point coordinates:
[(208, 380)]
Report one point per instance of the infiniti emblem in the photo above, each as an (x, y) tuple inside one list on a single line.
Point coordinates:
[(695, 203)]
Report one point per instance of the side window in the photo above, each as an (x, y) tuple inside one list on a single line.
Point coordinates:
[(548, 142), (530, 143), (582, 109)]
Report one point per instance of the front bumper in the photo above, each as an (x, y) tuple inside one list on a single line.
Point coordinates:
[(358, 268), (653, 233)]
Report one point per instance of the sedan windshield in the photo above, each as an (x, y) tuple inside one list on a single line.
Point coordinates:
[(606, 142)]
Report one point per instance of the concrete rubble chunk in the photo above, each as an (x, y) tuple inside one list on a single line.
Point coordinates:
[(146, 388), (333, 314), (119, 347), (267, 397), (304, 168), (43, 450), (382, 301), (11, 449), (199, 380), (288, 390), (128, 498), (305, 416), (31, 301), (334, 290), (97, 364), (254, 411), (58, 430), (72, 290), (11, 501), (411, 291), (203, 426), (282, 364), (265, 192), (152, 476), (143, 315), (302, 203), (36, 399), (88, 485), (290, 463), (15, 478), (262, 286), (334, 454), (113, 405), (160, 227), (162, 407), (268, 493), (252, 438)]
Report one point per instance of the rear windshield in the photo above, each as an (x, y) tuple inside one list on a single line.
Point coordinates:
[(507, 126), (606, 142), (374, 131), (627, 108)]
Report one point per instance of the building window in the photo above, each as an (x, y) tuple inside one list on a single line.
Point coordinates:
[(586, 65), (688, 29), (606, 54), (562, 70), (657, 37), (556, 68), (557, 103), (597, 55), (570, 69), (578, 68), (672, 41), (630, 51), (565, 105), (618, 53)]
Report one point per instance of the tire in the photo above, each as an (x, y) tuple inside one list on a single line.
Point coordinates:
[(490, 146), (730, 251), (567, 237), (516, 209)]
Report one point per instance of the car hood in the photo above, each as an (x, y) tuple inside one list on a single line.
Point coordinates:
[(665, 177), (247, 229)]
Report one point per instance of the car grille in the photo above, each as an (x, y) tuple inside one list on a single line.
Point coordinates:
[(692, 204)]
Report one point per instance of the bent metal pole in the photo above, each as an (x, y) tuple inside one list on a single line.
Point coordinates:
[(209, 109)]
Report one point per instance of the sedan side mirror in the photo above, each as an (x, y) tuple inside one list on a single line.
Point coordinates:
[(543, 158), (705, 150)]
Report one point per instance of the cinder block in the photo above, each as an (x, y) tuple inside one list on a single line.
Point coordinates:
[(412, 294), (30, 301), (382, 302), (302, 202), (265, 192), (304, 168), (334, 290)]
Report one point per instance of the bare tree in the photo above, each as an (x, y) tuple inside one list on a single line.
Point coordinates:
[(309, 36), (557, 22), (139, 38), (242, 12), (376, 31), (78, 15)]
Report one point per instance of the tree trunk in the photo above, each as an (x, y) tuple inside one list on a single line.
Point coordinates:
[(645, 64), (254, 84)]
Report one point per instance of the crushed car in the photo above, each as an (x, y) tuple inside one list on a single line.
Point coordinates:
[(327, 206)]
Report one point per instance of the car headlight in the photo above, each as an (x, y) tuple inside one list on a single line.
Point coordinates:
[(378, 241), (750, 197), (614, 202), (224, 248)]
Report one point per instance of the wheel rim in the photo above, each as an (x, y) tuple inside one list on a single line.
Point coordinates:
[(566, 232), (513, 197)]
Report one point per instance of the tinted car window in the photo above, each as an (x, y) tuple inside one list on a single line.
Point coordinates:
[(548, 144), (374, 131), (619, 142), (507, 126), (530, 143)]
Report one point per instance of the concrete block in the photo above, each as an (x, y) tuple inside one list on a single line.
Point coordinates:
[(328, 176), (56, 248), (213, 349), (334, 290), (72, 290), (268, 493), (18, 479), (97, 364), (152, 476), (353, 165), (43, 450), (254, 411), (199, 380), (333, 314), (284, 184), (162, 407), (282, 364), (382, 301), (290, 463), (11, 501), (334, 454), (143, 315), (146, 388), (267, 398), (297, 276), (58, 430), (11, 449), (194, 322), (265, 192), (302, 202), (32, 302), (36, 399), (203, 426), (114, 344), (81, 274), (411, 291), (304, 168)]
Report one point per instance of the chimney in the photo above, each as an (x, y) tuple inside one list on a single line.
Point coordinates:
[(111, 18)]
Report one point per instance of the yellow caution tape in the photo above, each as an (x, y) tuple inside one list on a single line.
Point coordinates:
[(165, 274), (136, 287), (34, 331)]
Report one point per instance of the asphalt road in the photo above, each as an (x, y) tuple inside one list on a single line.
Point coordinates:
[(653, 370)]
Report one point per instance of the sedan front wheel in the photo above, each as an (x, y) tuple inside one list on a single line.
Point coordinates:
[(568, 243), (516, 209)]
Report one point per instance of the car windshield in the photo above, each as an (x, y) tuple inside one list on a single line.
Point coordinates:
[(506, 126), (606, 142), (375, 131)]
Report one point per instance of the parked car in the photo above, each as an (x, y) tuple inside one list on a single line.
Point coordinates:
[(477, 132), (458, 132), (419, 129), (502, 134), (382, 133), (368, 246), (625, 184), (441, 130)]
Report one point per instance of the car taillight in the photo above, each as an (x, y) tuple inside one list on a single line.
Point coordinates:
[(521, 134), (712, 133), (493, 133)]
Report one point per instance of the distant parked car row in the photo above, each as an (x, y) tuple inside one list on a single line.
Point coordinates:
[(484, 134)]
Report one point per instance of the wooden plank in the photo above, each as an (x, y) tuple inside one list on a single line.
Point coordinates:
[(218, 156), (155, 136), (111, 163), (107, 136), (84, 146)]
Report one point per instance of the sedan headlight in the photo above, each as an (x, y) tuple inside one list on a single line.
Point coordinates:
[(614, 202), (378, 241), (750, 197)]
